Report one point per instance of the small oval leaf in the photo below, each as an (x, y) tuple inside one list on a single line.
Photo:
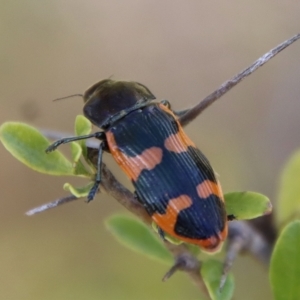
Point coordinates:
[(285, 264), (78, 192), (76, 151), (28, 145), (211, 271), (82, 127), (247, 205), (137, 236), (78, 167), (288, 203)]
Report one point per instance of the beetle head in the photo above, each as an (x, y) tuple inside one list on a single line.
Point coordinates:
[(109, 100)]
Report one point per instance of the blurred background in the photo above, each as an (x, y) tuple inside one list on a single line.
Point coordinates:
[(182, 50)]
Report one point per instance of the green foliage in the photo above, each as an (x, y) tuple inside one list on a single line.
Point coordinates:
[(78, 167), (211, 272), (247, 205), (78, 149), (78, 192), (285, 264), (135, 235), (288, 205), (138, 237), (82, 127), (28, 145)]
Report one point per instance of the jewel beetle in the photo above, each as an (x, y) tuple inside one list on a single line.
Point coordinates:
[(173, 180)]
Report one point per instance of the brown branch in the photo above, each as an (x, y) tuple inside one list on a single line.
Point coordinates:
[(195, 111)]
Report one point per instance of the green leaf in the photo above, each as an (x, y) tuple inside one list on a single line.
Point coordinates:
[(79, 168), (247, 205), (211, 271), (137, 236), (285, 264), (78, 192), (28, 145), (288, 205), (76, 151), (194, 249), (82, 127)]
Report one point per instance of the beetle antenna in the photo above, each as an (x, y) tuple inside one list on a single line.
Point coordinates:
[(75, 95)]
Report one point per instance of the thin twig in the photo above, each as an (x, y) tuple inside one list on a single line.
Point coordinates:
[(51, 204), (195, 111), (244, 238)]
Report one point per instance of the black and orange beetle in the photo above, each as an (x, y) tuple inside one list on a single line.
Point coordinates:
[(172, 178)]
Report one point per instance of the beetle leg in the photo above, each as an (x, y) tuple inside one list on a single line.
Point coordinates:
[(136, 197), (94, 189), (231, 217), (99, 135), (161, 233)]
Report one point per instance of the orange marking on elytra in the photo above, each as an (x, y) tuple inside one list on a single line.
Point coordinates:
[(148, 160), (167, 223), (207, 188), (178, 142), (168, 220), (213, 243), (174, 143), (133, 166)]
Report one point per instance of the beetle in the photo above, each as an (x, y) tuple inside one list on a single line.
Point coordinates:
[(173, 180)]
